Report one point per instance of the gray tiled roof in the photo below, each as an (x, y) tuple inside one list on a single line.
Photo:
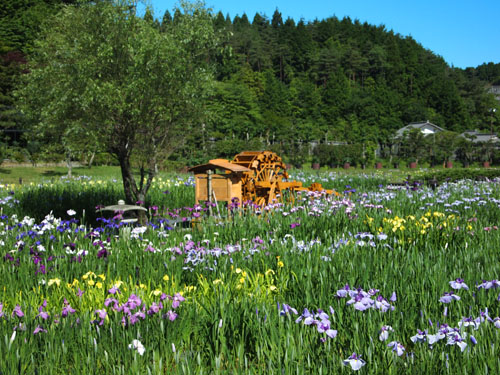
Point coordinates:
[(426, 128), (477, 136)]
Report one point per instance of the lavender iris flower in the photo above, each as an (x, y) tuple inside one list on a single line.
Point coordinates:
[(456, 339), (17, 311), (43, 314), (324, 327), (177, 299), (448, 297), (101, 313), (397, 347), (393, 297), (171, 315), (382, 304), (354, 361), (133, 302), (114, 290), (489, 284), (67, 309), (155, 308), (458, 284), (421, 336), (287, 309), (305, 314), (39, 329), (342, 293)]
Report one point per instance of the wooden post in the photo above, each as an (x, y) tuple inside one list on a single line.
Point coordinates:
[(209, 190)]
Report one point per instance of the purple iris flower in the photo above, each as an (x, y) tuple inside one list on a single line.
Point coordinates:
[(155, 308), (1, 310), (393, 297), (103, 253), (483, 315), (489, 284), (39, 329), (458, 284), (177, 299), (342, 293), (361, 301), (397, 347), (304, 315), (287, 309), (67, 309), (421, 336), (134, 318), (133, 302), (382, 304), (109, 301), (448, 297), (456, 339), (171, 315), (322, 315), (324, 327), (114, 290), (43, 314), (310, 321), (101, 313), (17, 312)]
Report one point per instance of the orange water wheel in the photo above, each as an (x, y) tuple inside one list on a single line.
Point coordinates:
[(264, 184)]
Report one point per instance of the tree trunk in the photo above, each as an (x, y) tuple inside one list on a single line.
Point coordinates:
[(69, 165), (92, 156), (133, 193), (128, 179)]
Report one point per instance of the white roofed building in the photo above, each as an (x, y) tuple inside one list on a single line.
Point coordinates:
[(427, 128)]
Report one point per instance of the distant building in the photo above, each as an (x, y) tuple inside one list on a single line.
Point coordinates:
[(426, 128), (480, 137)]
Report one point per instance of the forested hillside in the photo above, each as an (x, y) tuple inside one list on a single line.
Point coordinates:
[(279, 81)]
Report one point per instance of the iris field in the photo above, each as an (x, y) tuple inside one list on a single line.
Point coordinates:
[(381, 280)]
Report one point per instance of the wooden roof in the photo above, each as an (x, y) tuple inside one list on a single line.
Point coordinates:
[(218, 164)]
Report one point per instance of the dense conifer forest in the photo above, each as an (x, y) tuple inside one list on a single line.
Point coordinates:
[(282, 83)]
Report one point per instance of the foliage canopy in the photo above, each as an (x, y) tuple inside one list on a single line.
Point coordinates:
[(102, 76)]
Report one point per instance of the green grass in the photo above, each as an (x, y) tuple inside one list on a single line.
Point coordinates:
[(12, 175)]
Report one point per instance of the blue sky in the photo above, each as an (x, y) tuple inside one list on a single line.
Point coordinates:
[(464, 32)]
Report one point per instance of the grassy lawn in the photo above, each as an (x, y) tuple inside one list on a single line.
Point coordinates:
[(28, 174)]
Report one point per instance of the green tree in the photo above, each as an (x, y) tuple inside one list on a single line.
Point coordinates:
[(442, 146), (100, 71), (413, 145)]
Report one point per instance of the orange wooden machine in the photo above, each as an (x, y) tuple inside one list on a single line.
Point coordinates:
[(257, 176)]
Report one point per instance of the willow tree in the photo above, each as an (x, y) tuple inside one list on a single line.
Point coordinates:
[(101, 73)]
